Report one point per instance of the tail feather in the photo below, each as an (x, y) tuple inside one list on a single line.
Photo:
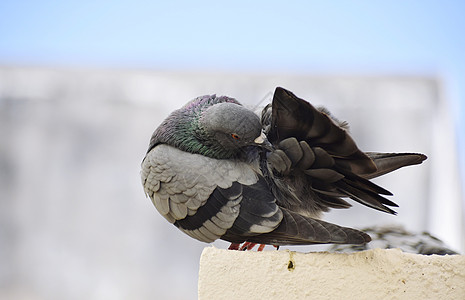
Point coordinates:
[(296, 229), (388, 162)]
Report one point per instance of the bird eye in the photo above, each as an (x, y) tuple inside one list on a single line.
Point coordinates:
[(235, 136)]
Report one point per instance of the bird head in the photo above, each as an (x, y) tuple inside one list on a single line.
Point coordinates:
[(231, 125), (218, 127)]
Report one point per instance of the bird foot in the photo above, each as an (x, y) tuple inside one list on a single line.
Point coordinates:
[(247, 246), (234, 246)]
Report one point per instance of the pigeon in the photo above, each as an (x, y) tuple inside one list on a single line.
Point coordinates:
[(217, 170), (396, 236)]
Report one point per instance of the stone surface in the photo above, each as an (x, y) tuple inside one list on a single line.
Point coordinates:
[(372, 274)]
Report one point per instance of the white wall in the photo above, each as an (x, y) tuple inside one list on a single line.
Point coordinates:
[(372, 274), (75, 223)]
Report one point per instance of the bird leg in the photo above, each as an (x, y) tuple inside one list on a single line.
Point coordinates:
[(248, 246), (234, 246)]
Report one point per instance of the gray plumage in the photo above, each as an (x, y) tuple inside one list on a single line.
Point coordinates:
[(216, 170)]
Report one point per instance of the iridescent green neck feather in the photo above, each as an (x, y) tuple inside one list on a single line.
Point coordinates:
[(206, 125)]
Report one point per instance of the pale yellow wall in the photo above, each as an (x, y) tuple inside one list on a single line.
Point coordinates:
[(372, 274)]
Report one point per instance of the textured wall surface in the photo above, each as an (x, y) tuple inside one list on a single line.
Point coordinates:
[(372, 274)]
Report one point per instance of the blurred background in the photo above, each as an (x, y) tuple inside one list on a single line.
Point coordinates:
[(83, 84)]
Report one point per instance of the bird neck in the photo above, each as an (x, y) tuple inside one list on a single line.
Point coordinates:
[(187, 134)]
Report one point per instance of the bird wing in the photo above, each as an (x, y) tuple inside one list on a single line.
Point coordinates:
[(316, 154), (206, 197), (296, 229), (295, 117), (210, 199)]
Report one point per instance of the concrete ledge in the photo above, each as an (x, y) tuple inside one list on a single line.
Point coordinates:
[(372, 274)]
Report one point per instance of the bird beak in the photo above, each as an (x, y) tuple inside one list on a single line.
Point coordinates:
[(261, 138), (262, 141)]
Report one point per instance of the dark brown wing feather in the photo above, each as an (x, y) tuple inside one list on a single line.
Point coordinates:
[(296, 229), (324, 157), (295, 117), (388, 162)]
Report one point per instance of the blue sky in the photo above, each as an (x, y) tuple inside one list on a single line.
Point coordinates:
[(399, 35), (395, 37)]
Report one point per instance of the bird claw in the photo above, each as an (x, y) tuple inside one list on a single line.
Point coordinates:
[(234, 246), (247, 246)]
